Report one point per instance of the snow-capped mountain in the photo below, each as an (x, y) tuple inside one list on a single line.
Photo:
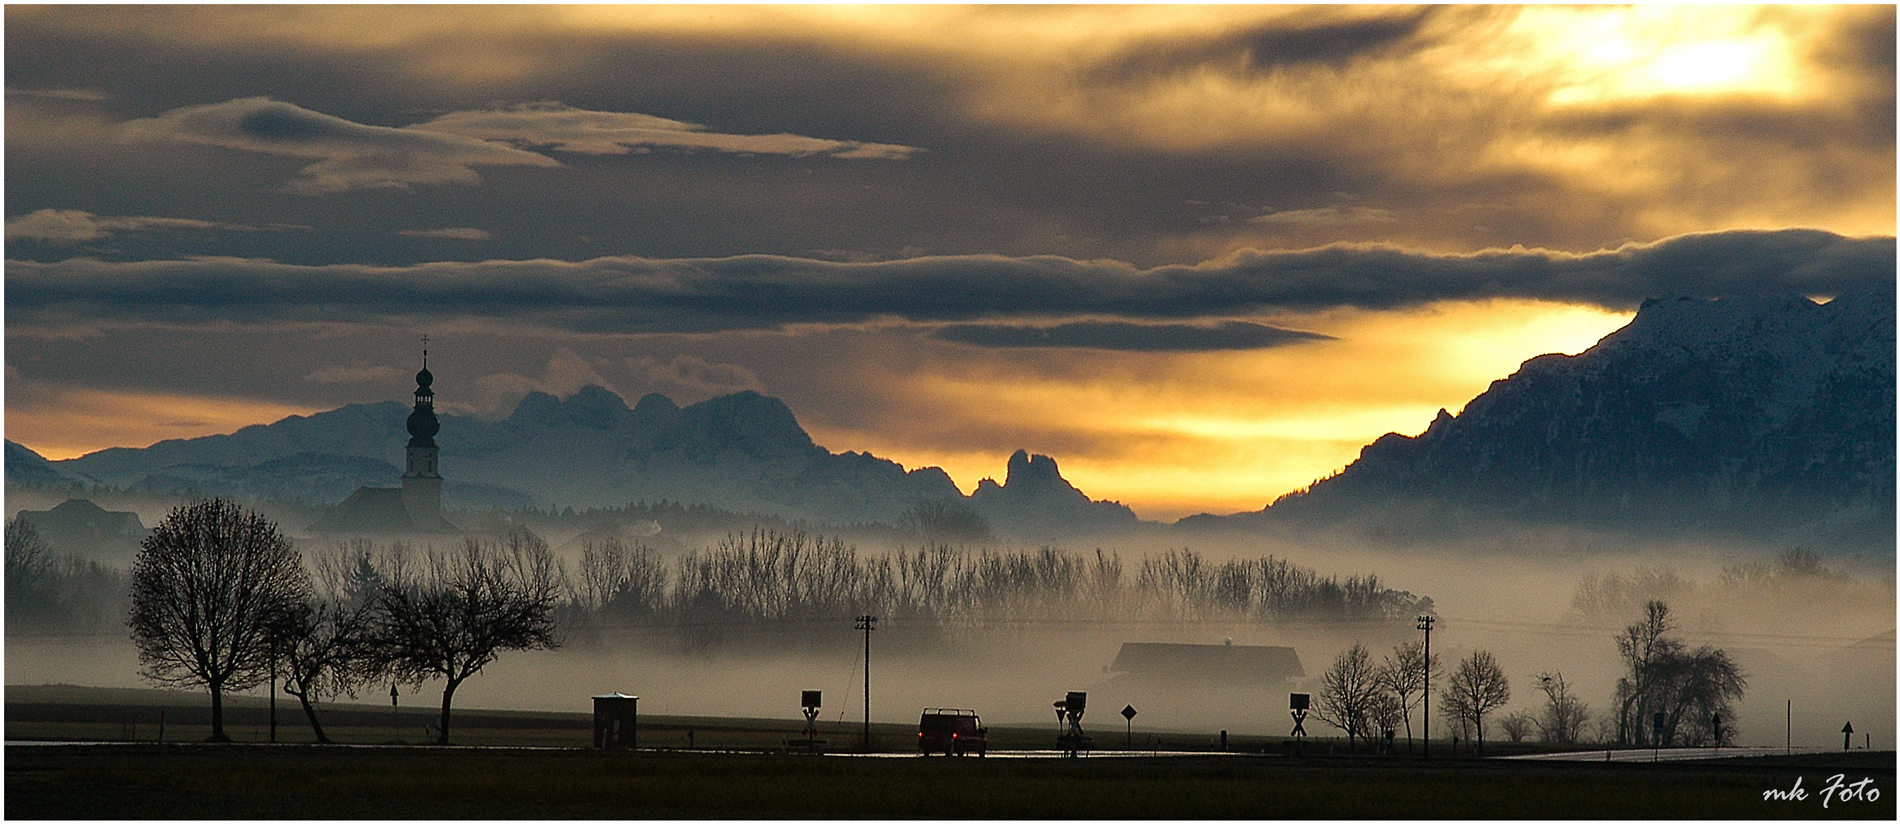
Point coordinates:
[(743, 452), (1770, 417)]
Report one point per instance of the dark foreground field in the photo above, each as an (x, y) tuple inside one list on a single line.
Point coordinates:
[(121, 781), (101, 756)]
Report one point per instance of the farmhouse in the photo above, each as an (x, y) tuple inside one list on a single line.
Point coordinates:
[(82, 527)]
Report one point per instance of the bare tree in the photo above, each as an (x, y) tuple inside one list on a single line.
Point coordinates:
[(46, 589), (1404, 673), (617, 583), (31, 592), (209, 583), (351, 574), (1348, 691), (454, 612), (945, 520), (1563, 717), (1477, 688), (327, 648), (1383, 716), (1517, 725), (1692, 692)]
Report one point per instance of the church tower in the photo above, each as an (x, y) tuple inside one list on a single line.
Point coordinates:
[(421, 480)]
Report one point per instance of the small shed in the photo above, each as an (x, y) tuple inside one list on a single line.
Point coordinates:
[(616, 721)]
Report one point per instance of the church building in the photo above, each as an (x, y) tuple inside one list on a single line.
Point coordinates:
[(416, 506)]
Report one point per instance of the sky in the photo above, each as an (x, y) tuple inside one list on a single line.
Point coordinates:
[(1200, 255)]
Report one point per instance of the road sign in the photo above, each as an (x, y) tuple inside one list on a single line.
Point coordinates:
[(1128, 712)]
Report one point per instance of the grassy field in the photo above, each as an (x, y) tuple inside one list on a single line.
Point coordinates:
[(557, 777)]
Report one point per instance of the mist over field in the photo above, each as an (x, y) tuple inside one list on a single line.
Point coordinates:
[(1534, 602)]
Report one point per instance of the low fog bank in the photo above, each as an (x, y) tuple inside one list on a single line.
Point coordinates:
[(1811, 629)]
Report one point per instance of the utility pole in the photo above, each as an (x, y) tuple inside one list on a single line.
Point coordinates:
[(865, 624), (1425, 700)]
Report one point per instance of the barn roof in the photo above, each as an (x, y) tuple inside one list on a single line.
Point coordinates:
[(1230, 661)]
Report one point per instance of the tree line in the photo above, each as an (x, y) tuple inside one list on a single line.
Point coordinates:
[(221, 599), (1668, 695), (58, 591), (768, 576)]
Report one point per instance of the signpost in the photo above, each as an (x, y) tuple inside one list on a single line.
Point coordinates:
[(1128, 713), (1298, 702), (1656, 725), (811, 701), (1847, 736), (1073, 740)]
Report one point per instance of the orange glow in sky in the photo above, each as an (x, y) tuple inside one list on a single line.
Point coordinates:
[(1173, 435), (74, 423)]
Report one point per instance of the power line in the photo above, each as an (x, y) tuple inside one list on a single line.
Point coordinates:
[(1588, 630)]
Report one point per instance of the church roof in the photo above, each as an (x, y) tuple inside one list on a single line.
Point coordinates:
[(375, 511)]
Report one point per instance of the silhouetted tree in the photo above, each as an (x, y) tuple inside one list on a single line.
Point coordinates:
[(1474, 690), (1692, 691), (1383, 715), (1563, 716), (1405, 673), (1517, 725), (1602, 596), (326, 649), (617, 583), (946, 520), (210, 582), (1348, 691), (454, 612), (31, 582)]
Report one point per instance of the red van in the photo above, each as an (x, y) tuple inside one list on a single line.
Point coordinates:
[(951, 732)]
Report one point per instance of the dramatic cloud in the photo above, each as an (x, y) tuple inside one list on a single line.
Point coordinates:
[(1091, 230), (352, 374), (457, 233), (69, 226), (632, 295), (567, 129), (1128, 337), (351, 155), (1327, 216)]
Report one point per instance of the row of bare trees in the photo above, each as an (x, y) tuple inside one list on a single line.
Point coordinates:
[(779, 576), (1669, 695), (1365, 700), (221, 599), (58, 591)]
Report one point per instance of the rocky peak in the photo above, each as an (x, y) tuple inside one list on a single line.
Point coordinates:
[(1769, 415), (593, 407)]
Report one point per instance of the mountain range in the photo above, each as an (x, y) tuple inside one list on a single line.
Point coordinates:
[(1772, 418), (1766, 417), (743, 452)]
